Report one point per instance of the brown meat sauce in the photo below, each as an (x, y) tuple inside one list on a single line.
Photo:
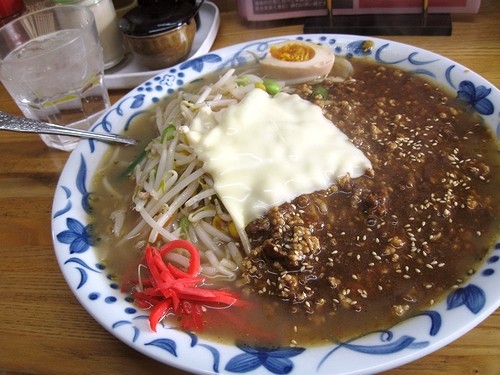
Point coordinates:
[(393, 241)]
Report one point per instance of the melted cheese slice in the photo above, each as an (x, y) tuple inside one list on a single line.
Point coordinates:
[(265, 151)]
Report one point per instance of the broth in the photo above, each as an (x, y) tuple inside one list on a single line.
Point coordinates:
[(390, 244)]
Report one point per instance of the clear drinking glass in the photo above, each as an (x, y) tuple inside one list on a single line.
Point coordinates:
[(52, 65)]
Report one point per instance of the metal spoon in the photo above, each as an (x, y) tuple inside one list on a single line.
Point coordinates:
[(23, 124)]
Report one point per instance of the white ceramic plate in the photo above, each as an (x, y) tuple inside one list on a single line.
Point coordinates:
[(459, 312)]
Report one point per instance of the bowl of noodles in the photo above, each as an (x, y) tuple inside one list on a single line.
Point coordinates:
[(344, 221)]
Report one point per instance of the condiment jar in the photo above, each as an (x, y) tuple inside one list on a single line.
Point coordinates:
[(107, 25), (160, 33)]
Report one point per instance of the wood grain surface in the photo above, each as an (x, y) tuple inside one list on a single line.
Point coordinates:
[(43, 328)]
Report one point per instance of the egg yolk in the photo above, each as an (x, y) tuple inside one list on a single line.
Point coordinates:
[(292, 52)]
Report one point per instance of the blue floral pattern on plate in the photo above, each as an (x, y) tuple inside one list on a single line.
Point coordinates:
[(477, 97), (463, 307), (275, 360)]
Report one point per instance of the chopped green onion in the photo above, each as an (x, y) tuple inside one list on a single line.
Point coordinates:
[(272, 87), (184, 224), (130, 168), (168, 133), (242, 81), (319, 92)]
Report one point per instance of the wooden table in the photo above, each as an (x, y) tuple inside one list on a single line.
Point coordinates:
[(44, 330)]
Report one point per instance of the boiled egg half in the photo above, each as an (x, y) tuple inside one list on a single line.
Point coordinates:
[(297, 60)]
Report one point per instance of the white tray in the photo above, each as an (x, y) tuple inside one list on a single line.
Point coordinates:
[(129, 74)]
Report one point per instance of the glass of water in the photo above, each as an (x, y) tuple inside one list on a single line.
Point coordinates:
[(52, 65)]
